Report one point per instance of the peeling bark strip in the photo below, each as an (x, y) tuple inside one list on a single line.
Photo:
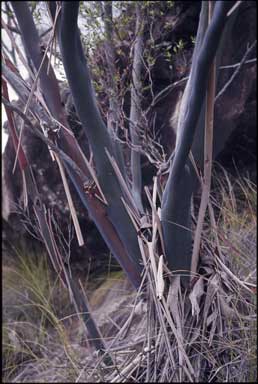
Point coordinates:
[(51, 94), (126, 252), (61, 269), (95, 208), (182, 181), (109, 210)]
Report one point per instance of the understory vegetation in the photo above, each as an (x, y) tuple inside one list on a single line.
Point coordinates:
[(212, 339), (130, 246)]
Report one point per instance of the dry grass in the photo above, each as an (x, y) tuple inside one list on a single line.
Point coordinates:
[(160, 334)]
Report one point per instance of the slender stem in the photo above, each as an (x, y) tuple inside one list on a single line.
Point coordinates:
[(208, 144), (135, 112), (114, 105)]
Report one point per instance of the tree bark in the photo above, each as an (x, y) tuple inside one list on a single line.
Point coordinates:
[(182, 179), (135, 111), (127, 256)]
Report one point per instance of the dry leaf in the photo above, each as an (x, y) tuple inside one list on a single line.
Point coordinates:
[(160, 281), (195, 296)]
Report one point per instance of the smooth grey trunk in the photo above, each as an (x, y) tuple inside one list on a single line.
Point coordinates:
[(47, 79), (218, 139), (79, 80), (182, 181), (135, 111), (113, 112)]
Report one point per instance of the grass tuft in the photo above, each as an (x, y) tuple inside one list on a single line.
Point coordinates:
[(205, 334)]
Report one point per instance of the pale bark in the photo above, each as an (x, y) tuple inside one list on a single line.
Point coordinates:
[(135, 112)]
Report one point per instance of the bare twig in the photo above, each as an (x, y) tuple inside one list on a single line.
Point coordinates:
[(49, 44), (236, 71), (254, 60), (235, 6), (56, 149), (70, 202)]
